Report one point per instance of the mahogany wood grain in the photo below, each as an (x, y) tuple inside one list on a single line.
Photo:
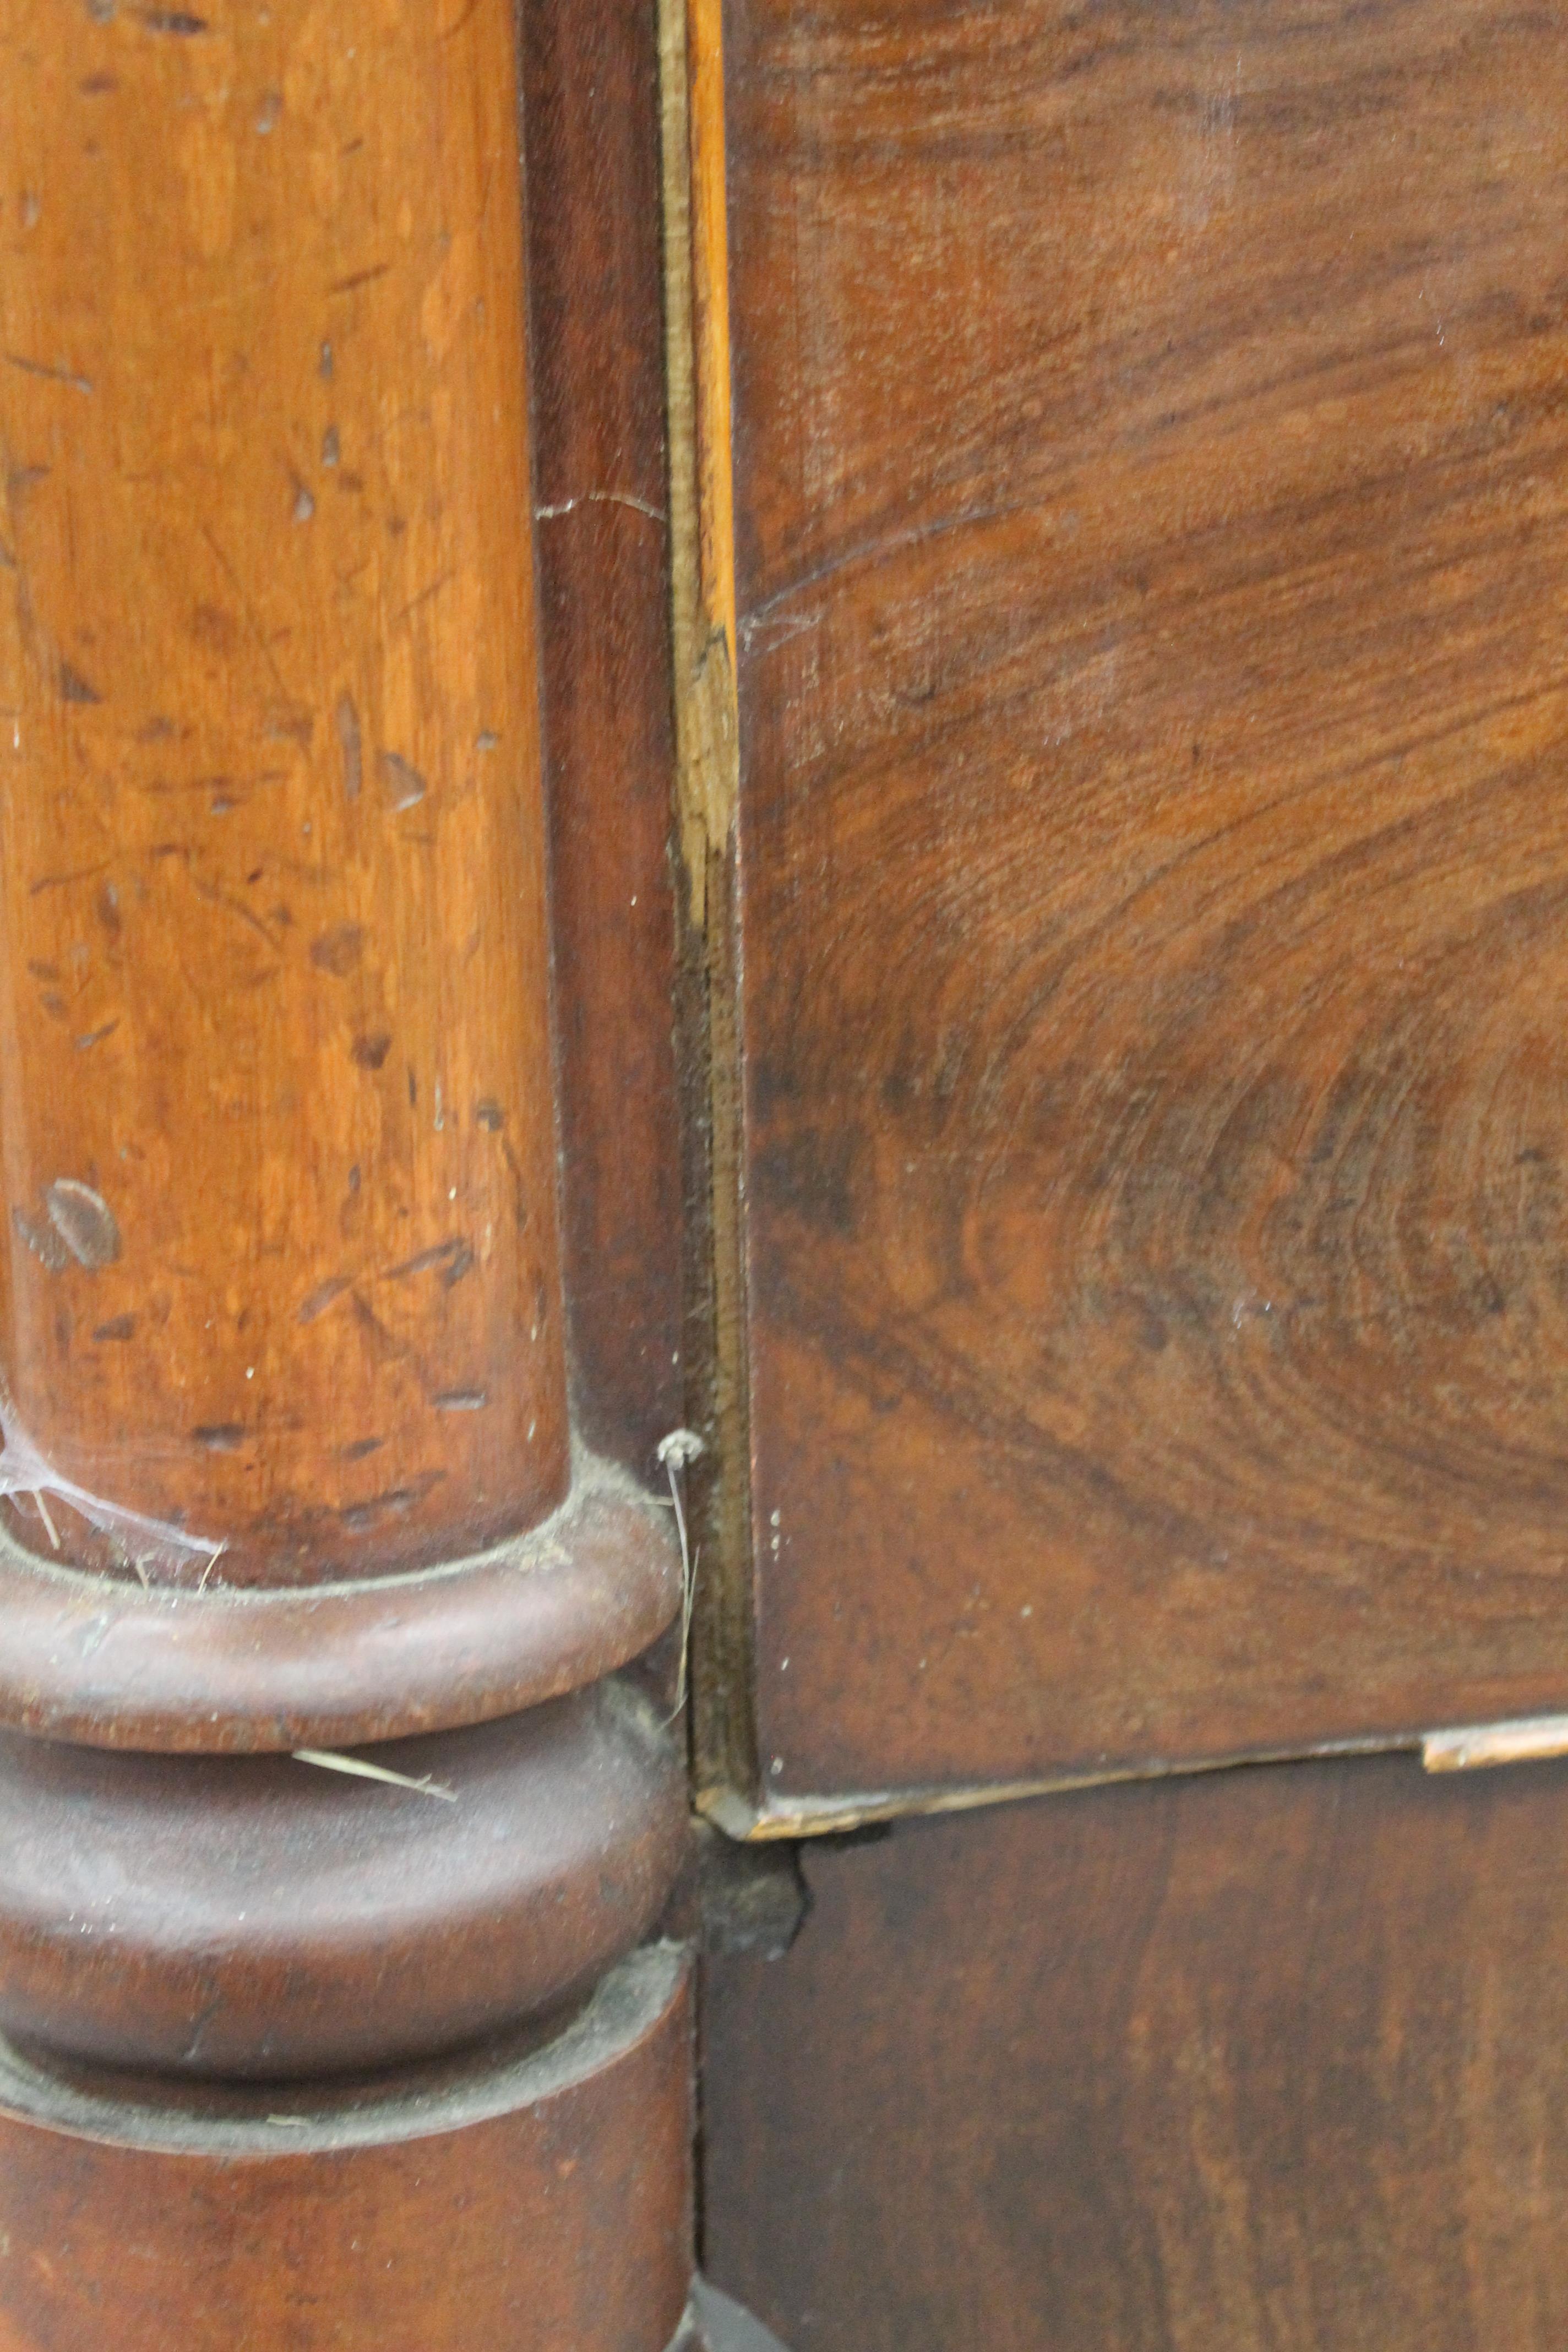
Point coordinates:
[(1265, 2058), (591, 110), (276, 1116), (409, 2218), (1152, 546)]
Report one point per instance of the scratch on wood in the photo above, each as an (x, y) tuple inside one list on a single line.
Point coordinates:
[(358, 277), (601, 498), (258, 633), (433, 589), (213, 897), (45, 1246), (454, 1256), (463, 18), (84, 1221), (349, 740), (65, 881), (321, 1297), (405, 786), (52, 374)]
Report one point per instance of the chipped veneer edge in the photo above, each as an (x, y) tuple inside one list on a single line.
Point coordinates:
[(804, 1817), (1526, 1739), (1529, 1739)]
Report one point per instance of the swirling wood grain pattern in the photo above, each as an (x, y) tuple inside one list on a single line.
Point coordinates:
[(1151, 463), (1272, 2058)]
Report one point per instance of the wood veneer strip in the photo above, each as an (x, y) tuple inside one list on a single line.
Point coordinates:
[(1530, 1739), (704, 621)]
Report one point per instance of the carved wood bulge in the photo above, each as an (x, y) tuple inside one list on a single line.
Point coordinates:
[(341, 1999)]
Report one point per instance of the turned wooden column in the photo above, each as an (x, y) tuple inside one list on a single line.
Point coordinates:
[(298, 2056), (275, 1101)]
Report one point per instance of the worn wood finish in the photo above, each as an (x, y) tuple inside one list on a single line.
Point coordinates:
[(283, 1348), (223, 1672), (702, 629), (278, 1142), (263, 1916), (1272, 2057), (401, 2220), (589, 83), (1151, 513)]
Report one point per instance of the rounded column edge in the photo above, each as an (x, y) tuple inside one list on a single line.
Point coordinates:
[(270, 1670)]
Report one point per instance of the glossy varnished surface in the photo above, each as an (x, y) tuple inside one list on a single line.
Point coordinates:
[(279, 1267), (1272, 2058), (1152, 529)]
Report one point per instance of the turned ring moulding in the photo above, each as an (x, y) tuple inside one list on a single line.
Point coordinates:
[(267, 1670)]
